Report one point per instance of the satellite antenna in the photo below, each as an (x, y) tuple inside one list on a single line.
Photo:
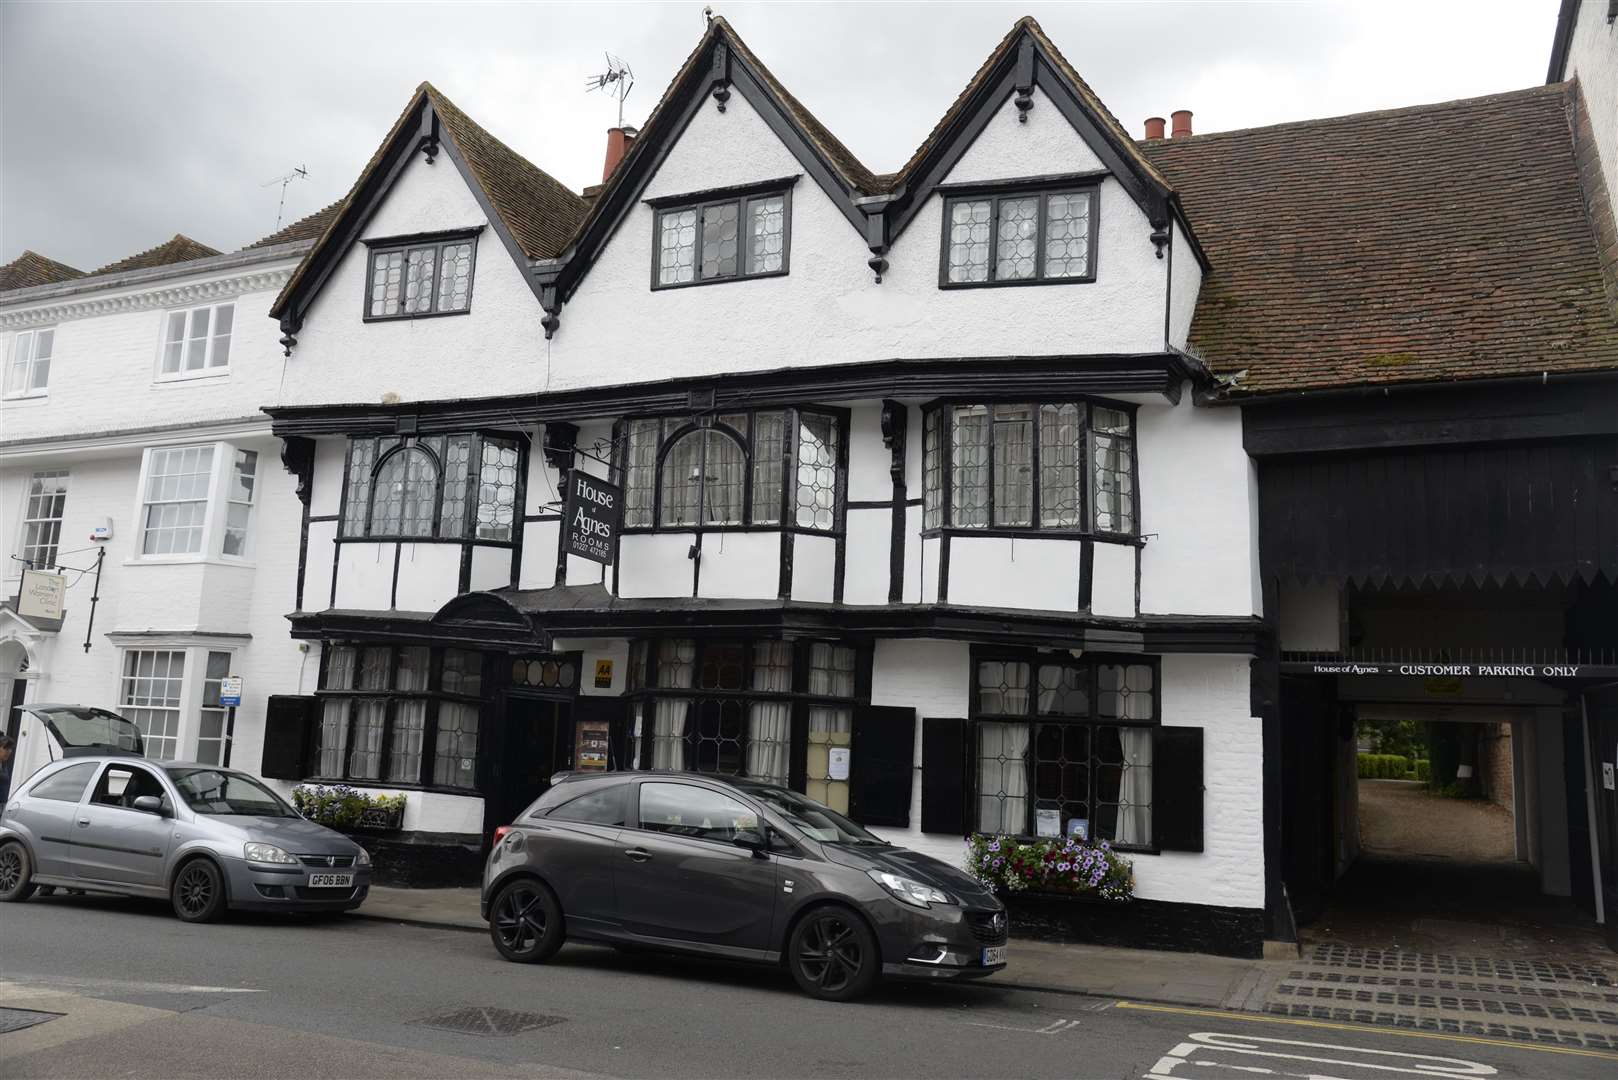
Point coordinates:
[(298, 173), (617, 81)]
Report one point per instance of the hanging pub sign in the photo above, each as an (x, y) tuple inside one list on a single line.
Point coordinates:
[(40, 595), (593, 515)]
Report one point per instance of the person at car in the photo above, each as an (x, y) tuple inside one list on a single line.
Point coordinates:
[(8, 748)]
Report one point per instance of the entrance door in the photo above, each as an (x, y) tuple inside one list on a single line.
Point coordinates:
[(532, 730), (1601, 707)]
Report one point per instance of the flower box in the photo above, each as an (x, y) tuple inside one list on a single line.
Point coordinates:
[(338, 806), (1065, 867)]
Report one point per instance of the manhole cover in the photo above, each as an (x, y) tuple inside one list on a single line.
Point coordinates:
[(17, 1019), (483, 1020)]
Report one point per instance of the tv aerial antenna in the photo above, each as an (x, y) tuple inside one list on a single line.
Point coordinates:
[(617, 81), (298, 173)]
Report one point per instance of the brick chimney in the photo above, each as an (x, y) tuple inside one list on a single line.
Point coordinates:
[(1182, 123), (619, 140), (1154, 127)]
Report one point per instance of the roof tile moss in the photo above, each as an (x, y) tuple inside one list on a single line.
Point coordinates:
[(1438, 242)]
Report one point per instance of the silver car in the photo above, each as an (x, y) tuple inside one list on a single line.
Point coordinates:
[(204, 837)]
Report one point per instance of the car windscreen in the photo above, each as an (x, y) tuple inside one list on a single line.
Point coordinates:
[(214, 791), (76, 727), (820, 822)]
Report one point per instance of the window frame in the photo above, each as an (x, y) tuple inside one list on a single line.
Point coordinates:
[(942, 412), (28, 390), (193, 677), (438, 241), (739, 196), (1031, 717), (214, 519), (208, 370), (1041, 189), (24, 521), (470, 502), (643, 691), (791, 440), (433, 695)]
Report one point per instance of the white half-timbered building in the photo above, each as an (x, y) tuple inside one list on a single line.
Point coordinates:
[(918, 513)]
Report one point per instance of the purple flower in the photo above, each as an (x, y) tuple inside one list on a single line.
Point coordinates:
[(994, 845), (1062, 866)]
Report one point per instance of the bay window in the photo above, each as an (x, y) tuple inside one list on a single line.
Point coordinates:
[(197, 500), (399, 715), (170, 691), (434, 487), (736, 469), (1058, 466)]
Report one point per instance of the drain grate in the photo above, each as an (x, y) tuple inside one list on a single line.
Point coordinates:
[(17, 1019), (485, 1020)]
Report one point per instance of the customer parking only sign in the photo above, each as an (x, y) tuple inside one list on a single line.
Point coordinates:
[(594, 514)]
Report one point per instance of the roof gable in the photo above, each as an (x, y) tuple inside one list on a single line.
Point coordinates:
[(531, 212), (178, 249), (1439, 242), (31, 268)]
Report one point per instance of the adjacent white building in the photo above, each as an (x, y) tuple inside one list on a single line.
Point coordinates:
[(136, 463)]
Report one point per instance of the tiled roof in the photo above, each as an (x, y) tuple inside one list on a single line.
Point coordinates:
[(540, 211), (31, 268), (1440, 242), (177, 250), (308, 228)]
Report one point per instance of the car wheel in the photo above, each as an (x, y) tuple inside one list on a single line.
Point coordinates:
[(525, 922), (833, 955), (198, 893), (16, 873)]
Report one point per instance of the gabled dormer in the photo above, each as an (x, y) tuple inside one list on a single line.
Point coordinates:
[(440, 204)]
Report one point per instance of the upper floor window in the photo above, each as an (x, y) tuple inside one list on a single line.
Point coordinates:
[(1061, 466), (197, 341), (426, 275), (197, 500), (445, 487), (1005, 238), (736, 469), (736, 235), (28, 369), (42, 518)]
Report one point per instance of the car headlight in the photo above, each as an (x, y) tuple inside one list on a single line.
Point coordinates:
[(267, 853), (910, 892), (363, 858)]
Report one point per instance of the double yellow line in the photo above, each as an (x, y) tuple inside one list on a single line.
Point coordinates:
[(1368, 1029)]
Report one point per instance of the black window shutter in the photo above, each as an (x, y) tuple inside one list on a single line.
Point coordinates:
[(1177, 788), (882, 745), (288, 727), (943, 776)]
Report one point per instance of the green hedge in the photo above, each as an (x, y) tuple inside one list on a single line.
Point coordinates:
[(1383, 766), (1424, 771)]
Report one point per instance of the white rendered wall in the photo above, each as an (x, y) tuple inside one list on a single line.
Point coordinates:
[(870, 539), (814, 568), (742, 565), (1112, 581), (1197, 510), (934, 678), (1593, 59), (1007, 572), (1185, 281)]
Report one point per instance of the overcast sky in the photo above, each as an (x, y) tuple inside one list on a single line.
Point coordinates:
[(124, 123)]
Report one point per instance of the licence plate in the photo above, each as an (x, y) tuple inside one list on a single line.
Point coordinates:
[(341, 881), (996, 955)]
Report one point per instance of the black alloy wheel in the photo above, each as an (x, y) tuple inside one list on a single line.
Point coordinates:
[(525, 922), (834, 955), (16, 873), (198, 893)]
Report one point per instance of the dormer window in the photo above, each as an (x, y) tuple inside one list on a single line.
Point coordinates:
[(722, 235), (409, 277), (1019, 237)]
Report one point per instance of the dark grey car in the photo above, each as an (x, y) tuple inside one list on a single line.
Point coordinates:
[(732, 868), (203, 837)]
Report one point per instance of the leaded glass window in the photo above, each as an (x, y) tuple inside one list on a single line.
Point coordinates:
[(446, 487), (421, 278), (733, 470), (1018, 237), (745, 236), (1064, 745), (1036, 466)]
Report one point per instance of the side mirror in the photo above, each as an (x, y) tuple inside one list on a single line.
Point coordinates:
[(751, 839), (150, 804)]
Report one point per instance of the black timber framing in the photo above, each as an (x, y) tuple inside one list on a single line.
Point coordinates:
[(493, 620), (989, 379)]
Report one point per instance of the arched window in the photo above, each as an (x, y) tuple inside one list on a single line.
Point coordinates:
[(704, 475), (405, 494)]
